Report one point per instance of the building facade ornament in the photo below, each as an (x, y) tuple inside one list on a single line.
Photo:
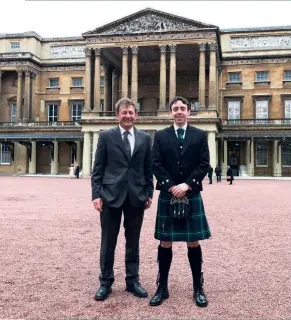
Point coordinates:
[(255, 61), (115, 74), (202, 46), (153, 37), (97, 51), (64, 68), (212, 46), (67, 51), (124, 50), (263, 43), (173, 48), (88, 52), (163, 48), (134, 50), (27, 73)]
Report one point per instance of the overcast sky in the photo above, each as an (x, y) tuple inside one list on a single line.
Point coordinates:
[(72, 18)]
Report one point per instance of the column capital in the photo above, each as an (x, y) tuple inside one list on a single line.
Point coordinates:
[(27, 73), (19, 72), (88, 52), (134, 50), (163, 48), (212, 46), (97, 51), (173, 48), (33, 75), (124, 51), (202, 46), (115, 74)]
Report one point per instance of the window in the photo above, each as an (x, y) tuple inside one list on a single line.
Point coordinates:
[(287, 109), (262, 76), (234, 77), (102, 105), (286, 155), (15, 45), (53, 112), (262, 110), (76, 111), (102, 81), (194, 105), (73, 154), (5, 155), (287, 75), (77, 82), (262, 154), (13, 112), (234, 110), (54, 82)]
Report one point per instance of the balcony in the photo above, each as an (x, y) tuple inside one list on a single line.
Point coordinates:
[(140, 114), (39, 124), (256, 122)]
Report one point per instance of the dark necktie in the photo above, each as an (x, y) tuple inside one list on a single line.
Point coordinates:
[(126, 143), (180, 133)]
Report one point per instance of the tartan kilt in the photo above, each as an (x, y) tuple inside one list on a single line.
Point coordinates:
[(194, 228)]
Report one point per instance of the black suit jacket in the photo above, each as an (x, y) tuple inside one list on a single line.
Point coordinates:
[(173, 165), (115, 174)]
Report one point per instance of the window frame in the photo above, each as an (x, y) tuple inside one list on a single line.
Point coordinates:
[(13, 113), (11, 43), (52, 104), (102, 81), (288, 154), (54, 87), (266, 153), (78, 86), (232, 73), (284, 76), (76, 103), (262, 80), (232, 101), (6, 151)]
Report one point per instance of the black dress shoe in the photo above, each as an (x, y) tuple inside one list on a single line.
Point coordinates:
[(103, 292), (161, 294), (136, 289), (200, 297)]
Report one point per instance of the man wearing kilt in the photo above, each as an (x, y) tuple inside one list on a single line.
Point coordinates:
[(180, 163)]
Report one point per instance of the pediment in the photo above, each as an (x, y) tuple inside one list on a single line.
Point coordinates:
[(148, 21)]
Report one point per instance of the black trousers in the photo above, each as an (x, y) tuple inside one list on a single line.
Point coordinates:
[(218, 178), (110, 226)]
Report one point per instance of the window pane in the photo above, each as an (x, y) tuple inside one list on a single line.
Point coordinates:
[(76, 111), (262, 109), (286, 154), (262, 153), (14, 45), (234, 76), (5, 155), (52, 112), (233, 110), (77, 82), (287, 109), (262, 76), (13, 112), (287, 75), (102, 81), (54, 82)]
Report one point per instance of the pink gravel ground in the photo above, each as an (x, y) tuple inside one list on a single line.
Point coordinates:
[(50, 239)]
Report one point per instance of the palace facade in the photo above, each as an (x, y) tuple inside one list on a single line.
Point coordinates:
[(57, 94)]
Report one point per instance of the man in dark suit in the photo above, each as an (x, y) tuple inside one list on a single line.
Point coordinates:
[(210, 174), (180, 163), (122, 181)]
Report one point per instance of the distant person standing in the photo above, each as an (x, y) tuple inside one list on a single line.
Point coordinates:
[(218, 173), (77, 170), (210, 174), (229, 175)]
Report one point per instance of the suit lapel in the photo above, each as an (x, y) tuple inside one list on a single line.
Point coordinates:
[(173, 140), (188, 139), (116, 138), (138, 141)]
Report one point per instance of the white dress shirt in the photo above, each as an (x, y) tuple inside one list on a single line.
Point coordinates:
[(131, 137), (184, 127)]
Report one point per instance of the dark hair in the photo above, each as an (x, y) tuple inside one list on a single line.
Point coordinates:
[(178, 98), (124, 102)]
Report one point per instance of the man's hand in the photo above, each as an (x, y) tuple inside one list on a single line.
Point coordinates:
[(180, 190), (98, 204), (148, 203)]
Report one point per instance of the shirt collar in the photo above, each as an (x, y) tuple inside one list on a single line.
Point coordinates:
[(184, 127), (131, 131)]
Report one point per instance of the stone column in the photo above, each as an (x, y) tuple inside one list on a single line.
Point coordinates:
[(105, 94), (212, 148), (250, 160), (109, 88), (134, 75), (27, 96), (32, 103), (32, 161), (55, 160), (115, 86), (95, 141), (97, 74), (78, 152), (225, 154), (124, 88), (202, 48), (212, 77), (19, 94), (172, 85), (277, 158), (88, 84), (1, 72), (162, 105), (86, 156)]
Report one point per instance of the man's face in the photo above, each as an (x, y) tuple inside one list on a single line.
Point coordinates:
[(179, 113), (126, 117)]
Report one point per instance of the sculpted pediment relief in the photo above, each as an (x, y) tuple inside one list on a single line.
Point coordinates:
[(148, 21)]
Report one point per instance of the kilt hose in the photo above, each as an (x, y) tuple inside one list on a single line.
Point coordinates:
[(193, 228)]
